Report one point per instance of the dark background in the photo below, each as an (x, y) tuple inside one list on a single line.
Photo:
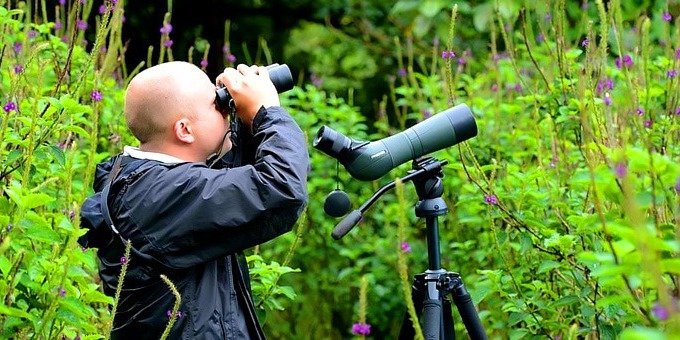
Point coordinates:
[(250, 20)]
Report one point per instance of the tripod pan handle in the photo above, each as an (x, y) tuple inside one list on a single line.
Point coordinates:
[(347, 223)]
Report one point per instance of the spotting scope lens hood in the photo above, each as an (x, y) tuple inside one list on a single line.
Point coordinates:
[(369, 161)]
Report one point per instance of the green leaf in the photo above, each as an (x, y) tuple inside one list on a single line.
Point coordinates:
[(5, 265), (38, 229), (77, 129), (430, 8), (31, 201), (567, 300), (671, 265), (548, 265), (640, 333), (58, 155), (11, 311)]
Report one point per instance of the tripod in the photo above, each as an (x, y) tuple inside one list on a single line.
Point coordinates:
[(432, 290)]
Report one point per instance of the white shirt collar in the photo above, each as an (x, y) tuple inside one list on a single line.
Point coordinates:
[(154, 156)]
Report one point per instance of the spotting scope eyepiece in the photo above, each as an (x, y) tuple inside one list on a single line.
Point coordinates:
[(368, 161)]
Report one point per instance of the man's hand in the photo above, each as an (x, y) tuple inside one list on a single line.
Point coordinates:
[(251, 88)]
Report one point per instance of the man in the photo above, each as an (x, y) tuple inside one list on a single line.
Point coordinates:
[(184, 219)]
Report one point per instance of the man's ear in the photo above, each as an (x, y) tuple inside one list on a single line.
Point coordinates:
[(183, 131)]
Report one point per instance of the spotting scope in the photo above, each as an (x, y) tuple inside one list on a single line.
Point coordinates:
[(368, 161)]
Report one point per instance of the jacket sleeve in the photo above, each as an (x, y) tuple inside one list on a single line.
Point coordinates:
[(200, 214)]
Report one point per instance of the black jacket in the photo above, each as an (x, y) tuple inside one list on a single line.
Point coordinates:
[(189, 222)]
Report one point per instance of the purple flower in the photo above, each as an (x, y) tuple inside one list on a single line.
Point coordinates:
[(405, 247), (401, 72), (604, 84), (57, 25), (640, 111), (626, 61), (666, 16), (316, 80), (547, 17), (361, 328), (660, 312), (81, 25), (231, 58), (18, 69), (494, 88), (168, 43), (491, 199), (204, 63), (62, 291), (427, 113), (620, 170), (672, 73), (77, 337), (462, 61), (540, 38), (518, 87), (607, 99), (179, 313), (18, 47), (64, 38), (10, 106), (96, 95), (32, 34), (62, 2), (585, 42), (167, 28), (102, 9), (677, 111), (648, 123), (123, 260), (445, 54), (677, 53)]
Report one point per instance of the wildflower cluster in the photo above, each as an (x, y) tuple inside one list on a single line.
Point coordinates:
[(361, 328), (165, 34)]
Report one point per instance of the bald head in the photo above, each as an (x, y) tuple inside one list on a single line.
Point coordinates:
[(161, 94)]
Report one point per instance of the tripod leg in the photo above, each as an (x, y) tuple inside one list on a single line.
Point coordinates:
[(447, 314), (467, 310), (432, 316)]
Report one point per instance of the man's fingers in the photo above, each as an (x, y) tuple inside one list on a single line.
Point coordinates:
[(247, 70), (263, 71), (231, 78)]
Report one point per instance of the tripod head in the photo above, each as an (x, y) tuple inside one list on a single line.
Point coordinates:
[(426, 176)]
